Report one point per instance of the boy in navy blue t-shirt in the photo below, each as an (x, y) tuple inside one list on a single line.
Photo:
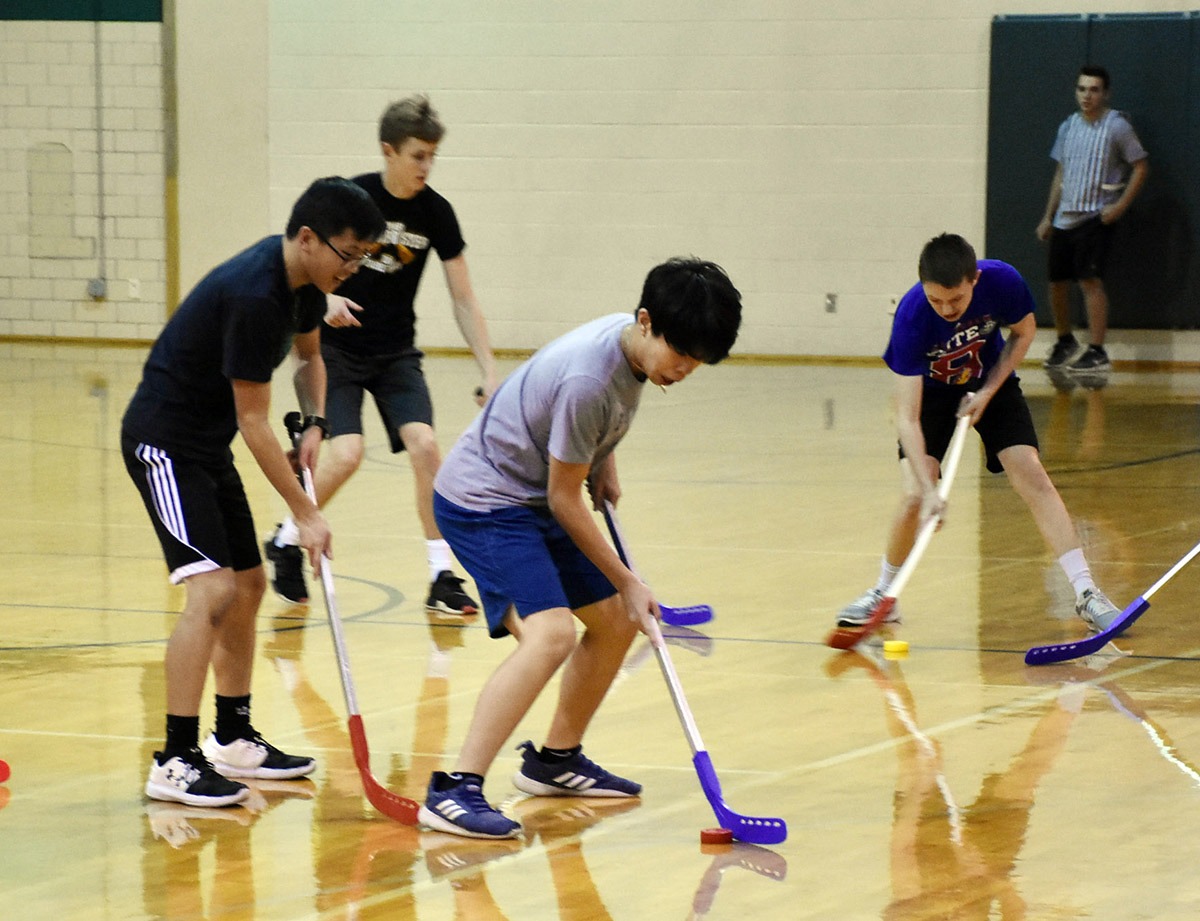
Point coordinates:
[(207, 379)]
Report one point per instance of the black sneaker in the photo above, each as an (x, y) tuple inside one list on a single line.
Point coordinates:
[(1095, 359), (287, 571), (447, 596), (191, 780), (255, 757), (1066, 348)]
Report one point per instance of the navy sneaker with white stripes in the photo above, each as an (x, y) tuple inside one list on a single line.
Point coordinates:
[(461, 809), (577, 776)]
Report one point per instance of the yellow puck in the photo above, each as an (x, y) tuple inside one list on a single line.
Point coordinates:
[(896, 647)]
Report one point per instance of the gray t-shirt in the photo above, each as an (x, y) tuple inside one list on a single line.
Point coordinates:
[(573, 399), (1096, 158)]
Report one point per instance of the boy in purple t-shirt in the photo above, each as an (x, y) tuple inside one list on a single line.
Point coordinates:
[(949, 359)]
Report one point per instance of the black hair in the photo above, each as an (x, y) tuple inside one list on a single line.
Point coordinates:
[(694, 306), (412, 117), (1095, 70), (332, 205), (947, 260)]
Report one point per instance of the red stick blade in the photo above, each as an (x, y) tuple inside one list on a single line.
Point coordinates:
[(394, 806)]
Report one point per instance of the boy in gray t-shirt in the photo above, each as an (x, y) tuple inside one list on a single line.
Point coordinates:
[(509, 499)]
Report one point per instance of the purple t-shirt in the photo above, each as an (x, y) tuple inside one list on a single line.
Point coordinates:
[(961, 353)]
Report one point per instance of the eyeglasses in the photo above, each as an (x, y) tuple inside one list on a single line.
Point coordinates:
[(346, 259)]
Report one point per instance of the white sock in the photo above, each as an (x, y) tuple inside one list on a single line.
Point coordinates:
[(438, 552), (288, 534), (1077, 571), (887, 572)]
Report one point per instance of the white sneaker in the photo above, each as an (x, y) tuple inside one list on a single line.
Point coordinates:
[(191, 781), (858, 612), (1095, 608), (255, 757)]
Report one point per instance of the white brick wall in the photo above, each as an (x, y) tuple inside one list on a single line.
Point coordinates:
[(48, 119), (808, 147)]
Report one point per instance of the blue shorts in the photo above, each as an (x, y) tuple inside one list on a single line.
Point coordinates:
[(520, 557)]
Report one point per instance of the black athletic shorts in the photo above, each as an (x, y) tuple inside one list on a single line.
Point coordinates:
[(1005, 422), (199, 510), (395, 381), (1080, 252)]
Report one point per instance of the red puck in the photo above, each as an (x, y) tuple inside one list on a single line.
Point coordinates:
[(716, 836), (5, 772)]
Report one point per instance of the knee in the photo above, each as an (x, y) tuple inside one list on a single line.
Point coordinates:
[(346, 453), (252, 586), (555, 642), (212, 595), (422, 446)]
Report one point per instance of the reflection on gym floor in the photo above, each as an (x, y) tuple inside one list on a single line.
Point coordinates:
[(954, 782)]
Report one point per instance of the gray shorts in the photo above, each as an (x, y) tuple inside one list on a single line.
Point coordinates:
[(395, 381)]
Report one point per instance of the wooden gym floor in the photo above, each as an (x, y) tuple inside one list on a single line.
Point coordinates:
[(953, 783)]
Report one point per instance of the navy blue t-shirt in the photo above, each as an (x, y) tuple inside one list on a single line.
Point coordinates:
[(236, 324), (961, 353), (386, 285)]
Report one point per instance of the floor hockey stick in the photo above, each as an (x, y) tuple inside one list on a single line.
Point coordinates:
[(688, 616), (1061, 652), (849, 637), (394, 806), (751, 829)]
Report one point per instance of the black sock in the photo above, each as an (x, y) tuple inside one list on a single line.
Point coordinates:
[(183, 734), (233, 718), (443, 782), (558, 755)]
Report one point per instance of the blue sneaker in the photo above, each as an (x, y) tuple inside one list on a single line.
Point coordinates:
[(462, 810), (577, 776)]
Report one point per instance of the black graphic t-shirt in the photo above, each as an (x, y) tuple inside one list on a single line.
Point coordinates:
[(386, 285)]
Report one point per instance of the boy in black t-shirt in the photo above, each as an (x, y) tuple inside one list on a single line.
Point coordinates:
[(207, 378), (369, 346)]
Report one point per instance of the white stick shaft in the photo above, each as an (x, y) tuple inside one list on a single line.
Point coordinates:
[(690, 729), (949, 469), (1171, 572), (335, 622)]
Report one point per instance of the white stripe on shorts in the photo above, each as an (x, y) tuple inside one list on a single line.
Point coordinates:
[(160, 474)]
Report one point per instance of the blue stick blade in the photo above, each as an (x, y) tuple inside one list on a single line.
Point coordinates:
[(1063, 652), (688, 616), (751, 829)]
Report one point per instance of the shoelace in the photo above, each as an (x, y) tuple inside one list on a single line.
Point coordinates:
[(582, 764), (471, 795)]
